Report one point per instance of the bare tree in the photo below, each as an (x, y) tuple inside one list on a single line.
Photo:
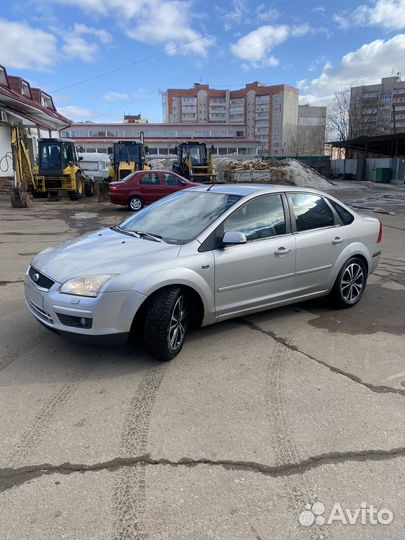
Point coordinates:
[(337, 120)]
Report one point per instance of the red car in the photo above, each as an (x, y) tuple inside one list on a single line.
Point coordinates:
[(145, 187)]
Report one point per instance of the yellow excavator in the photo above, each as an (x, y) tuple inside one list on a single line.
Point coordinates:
[(128, 157), (57, 173)]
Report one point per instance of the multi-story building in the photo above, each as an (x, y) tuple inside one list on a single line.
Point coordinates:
[(311, 130), (162, 139), (268, 113), (378, 108)]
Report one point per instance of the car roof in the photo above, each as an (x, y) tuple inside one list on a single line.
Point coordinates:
[(248, 189)]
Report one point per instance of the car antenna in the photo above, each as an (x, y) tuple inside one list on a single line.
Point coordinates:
[(212, 185)]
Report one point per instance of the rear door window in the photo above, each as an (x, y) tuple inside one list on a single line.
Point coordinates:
[(311, 211), (344, 214)]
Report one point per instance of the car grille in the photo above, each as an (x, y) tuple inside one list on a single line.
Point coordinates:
[(40, 313), (39, 279)]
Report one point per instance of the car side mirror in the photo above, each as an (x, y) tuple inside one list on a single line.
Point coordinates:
[(232, 238), (146, 148), (80, 158)]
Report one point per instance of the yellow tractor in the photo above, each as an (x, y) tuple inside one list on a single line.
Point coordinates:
[(58, 171), (195, 162), (128, 157)]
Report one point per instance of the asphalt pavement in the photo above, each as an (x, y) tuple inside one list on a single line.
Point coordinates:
[(285, 424)]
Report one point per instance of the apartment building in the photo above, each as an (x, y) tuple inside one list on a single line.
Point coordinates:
[(268, 113), (311, 130), (377, 109)]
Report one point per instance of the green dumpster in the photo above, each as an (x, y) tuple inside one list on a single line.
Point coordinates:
[(383, 175)]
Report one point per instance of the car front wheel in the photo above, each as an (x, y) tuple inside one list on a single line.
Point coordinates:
[(135, 204), (350, 283), (165, 323)]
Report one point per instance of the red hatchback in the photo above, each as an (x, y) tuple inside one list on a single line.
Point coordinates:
[(145, 187)]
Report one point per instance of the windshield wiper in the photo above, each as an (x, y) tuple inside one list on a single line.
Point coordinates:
[(124, 231), (138, 234), (149, 236)]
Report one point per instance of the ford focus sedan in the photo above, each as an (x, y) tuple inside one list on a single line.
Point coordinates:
[(145, 187), (200, 256)]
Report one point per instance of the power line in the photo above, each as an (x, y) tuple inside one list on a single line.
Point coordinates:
[(159, 53)]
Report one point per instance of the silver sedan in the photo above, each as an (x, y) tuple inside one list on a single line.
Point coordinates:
[(200, 256)]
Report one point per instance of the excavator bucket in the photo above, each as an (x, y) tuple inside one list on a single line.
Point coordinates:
[(19, 199)]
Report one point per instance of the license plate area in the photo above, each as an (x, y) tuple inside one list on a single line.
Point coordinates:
[(35, 297)]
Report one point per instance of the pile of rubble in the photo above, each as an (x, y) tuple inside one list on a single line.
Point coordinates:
[(287, 172)]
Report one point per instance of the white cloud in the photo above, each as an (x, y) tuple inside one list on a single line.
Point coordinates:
[(76, 46), (24, 47), (389, 14), (116, 96), (78, 113), (99, 33), (366, 65), (256, 46), (158, 22)]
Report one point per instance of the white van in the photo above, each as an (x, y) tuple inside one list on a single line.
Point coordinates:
[(95, 165)]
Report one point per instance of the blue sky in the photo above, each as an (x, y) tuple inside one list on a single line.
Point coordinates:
[(103, 58)]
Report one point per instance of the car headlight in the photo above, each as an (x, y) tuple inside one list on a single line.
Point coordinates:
[(86, 285)]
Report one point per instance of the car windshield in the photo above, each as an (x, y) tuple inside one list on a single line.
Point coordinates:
[(181, 217)]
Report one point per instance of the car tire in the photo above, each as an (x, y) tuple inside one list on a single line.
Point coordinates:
[(135, 204), (165, 323), (350, 283)]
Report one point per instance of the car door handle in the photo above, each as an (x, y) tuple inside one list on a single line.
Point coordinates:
[(337, 240), (282, 251)]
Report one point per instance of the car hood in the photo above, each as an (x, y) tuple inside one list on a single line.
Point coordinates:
[(102, 252)]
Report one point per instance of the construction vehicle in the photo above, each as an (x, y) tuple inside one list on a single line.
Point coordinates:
[(128, 157), (57, 171), (23, 174), (195, 161)]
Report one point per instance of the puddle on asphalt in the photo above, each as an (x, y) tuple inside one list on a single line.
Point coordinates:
[(380, 310), (85, 215)]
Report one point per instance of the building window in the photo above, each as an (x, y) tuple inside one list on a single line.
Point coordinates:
[(163, 151), (222, 151)]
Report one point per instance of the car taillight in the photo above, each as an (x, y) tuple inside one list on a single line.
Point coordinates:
[(113, 188), (380, 232)]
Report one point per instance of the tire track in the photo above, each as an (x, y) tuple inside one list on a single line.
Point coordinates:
[(35, 433), (300, 490), (129, 496)]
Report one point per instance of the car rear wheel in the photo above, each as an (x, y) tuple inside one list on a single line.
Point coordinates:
[(165, 323), (135, 204), (350, 283)]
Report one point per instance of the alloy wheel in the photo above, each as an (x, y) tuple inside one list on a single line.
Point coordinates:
[(352, 283), (177, 326)]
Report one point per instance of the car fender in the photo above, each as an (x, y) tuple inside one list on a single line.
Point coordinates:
[(355, 248), (151, 282)]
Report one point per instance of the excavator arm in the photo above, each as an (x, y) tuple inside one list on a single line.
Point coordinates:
[(24, 178)]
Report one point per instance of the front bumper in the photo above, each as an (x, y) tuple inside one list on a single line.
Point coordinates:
[(109, 314)]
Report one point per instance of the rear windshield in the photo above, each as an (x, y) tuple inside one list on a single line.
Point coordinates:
[(181, 217)]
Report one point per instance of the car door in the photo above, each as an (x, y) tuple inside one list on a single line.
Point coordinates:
[(172, 182), (320, 239), (151, 187), (259, 272)]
